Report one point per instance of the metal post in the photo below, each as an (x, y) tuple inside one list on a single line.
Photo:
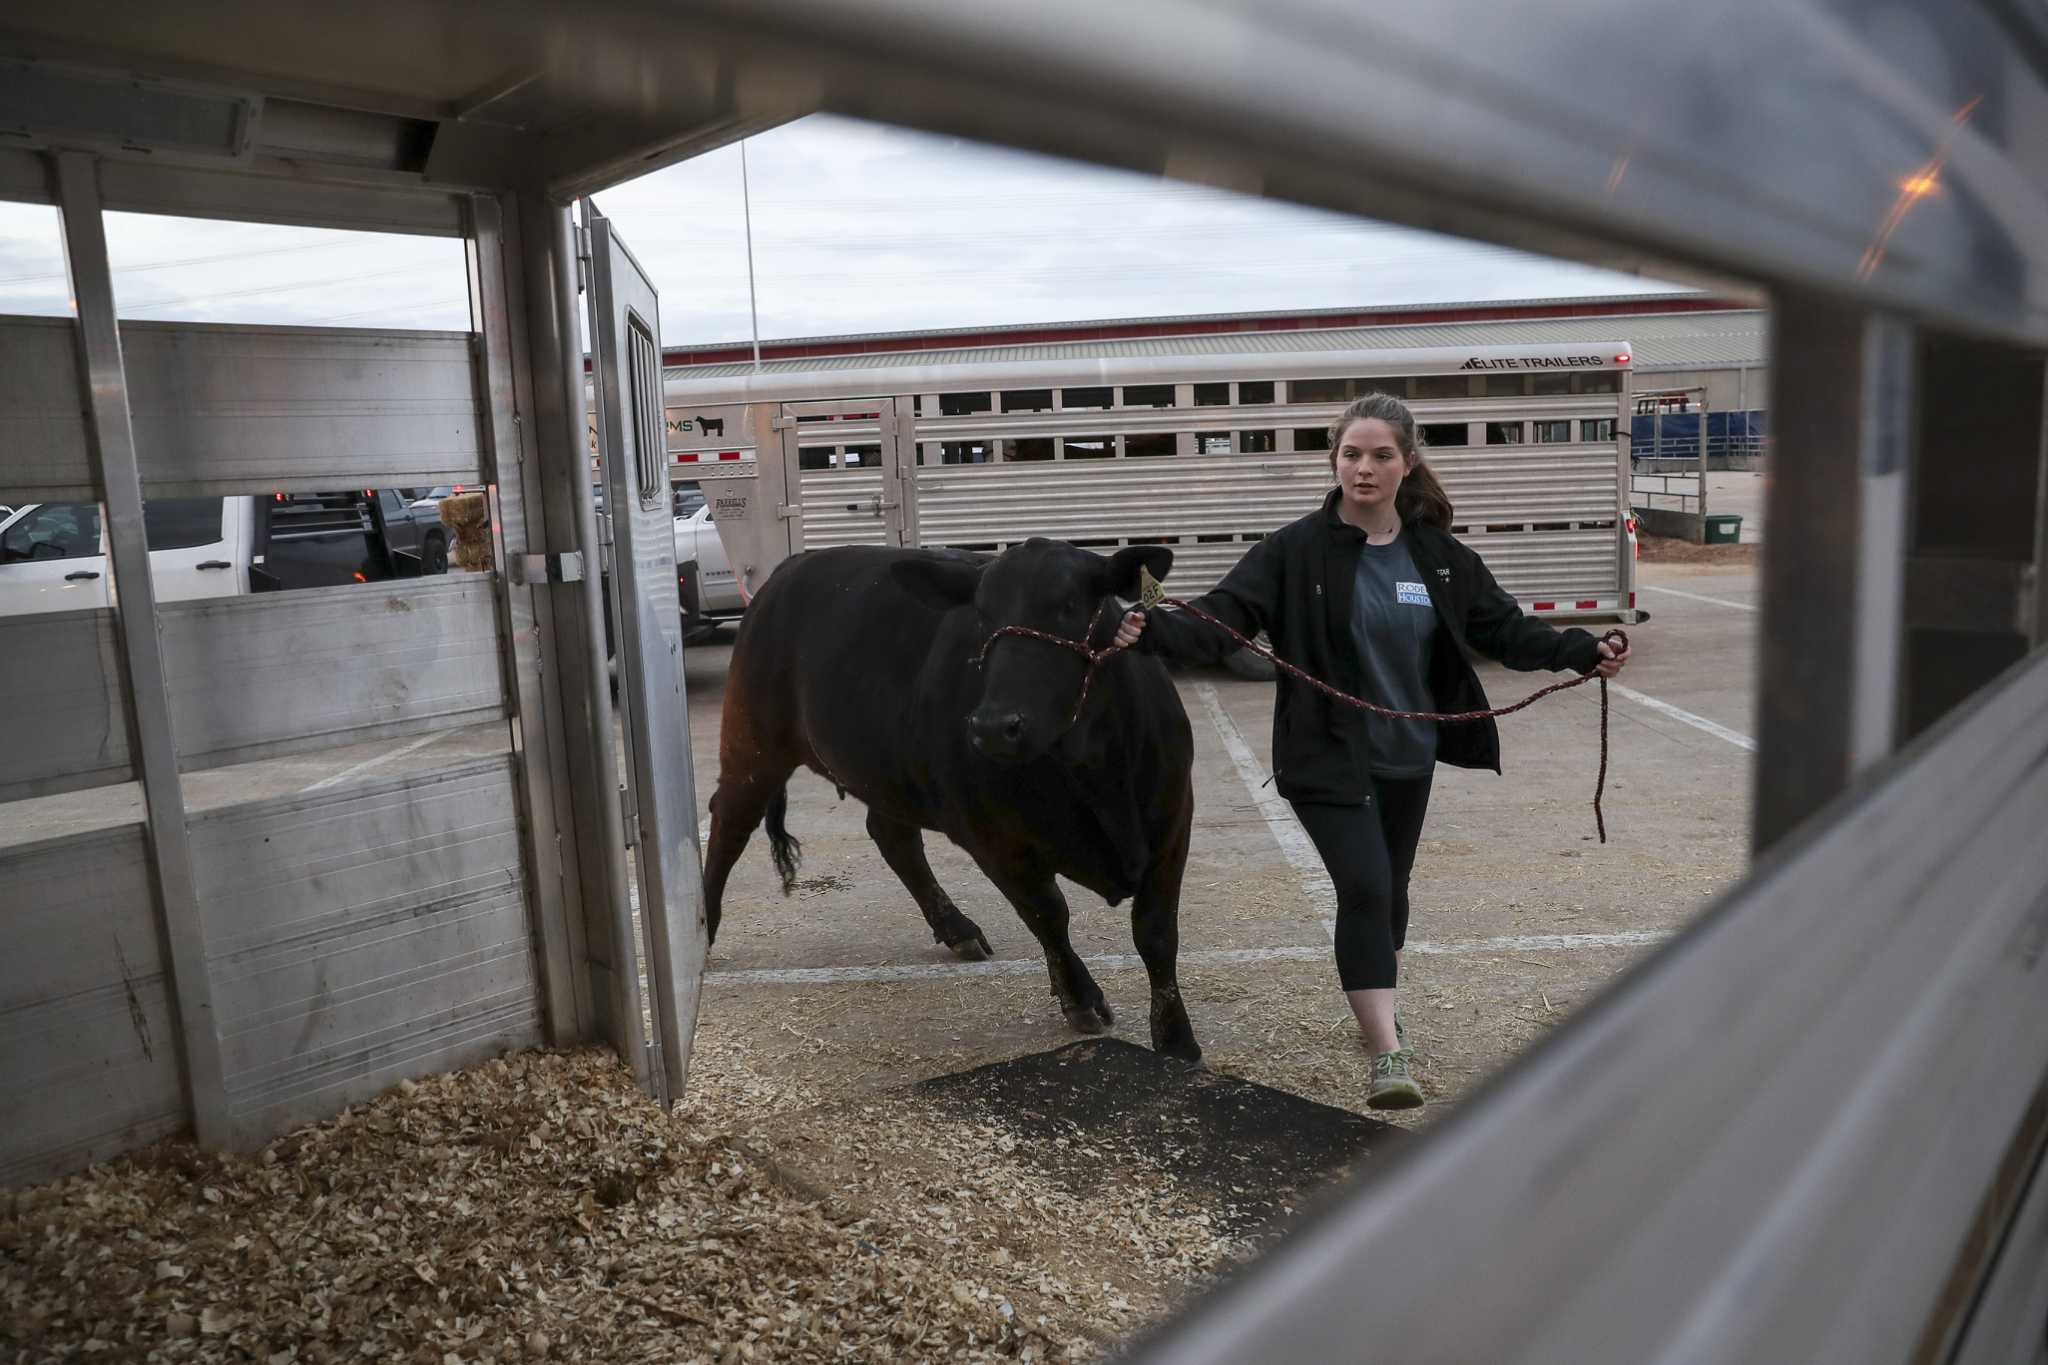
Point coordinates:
[(156, 755), (526, 615), (2037, 620), (747, 211), (1828, 696), (559, 445), (1703, 467)]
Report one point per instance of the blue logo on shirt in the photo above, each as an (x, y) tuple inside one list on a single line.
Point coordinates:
[(1411, 594)]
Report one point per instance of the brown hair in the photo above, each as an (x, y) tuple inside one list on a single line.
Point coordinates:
[(1422, 498)]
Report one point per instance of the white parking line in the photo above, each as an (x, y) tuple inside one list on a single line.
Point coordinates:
[(376, 761), (1718, 731), (1010, 966), (1287, 831), (1698, 597)]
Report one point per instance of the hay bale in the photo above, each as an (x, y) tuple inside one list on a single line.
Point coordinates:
[(468, 519)]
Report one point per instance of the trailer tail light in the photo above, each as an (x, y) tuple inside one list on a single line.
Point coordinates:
[(1622, 359)]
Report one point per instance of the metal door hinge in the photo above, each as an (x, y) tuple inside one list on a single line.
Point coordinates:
[(533, 570), (629, 819)]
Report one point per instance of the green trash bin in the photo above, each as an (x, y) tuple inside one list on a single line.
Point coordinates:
[(1724, 530)]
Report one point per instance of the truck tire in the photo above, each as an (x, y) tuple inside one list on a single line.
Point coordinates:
[(434, 554)]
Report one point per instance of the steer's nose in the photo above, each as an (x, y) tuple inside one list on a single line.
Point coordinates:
[(997, 732)]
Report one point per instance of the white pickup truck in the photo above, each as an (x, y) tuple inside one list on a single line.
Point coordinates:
[(53, 556), (716, 587)]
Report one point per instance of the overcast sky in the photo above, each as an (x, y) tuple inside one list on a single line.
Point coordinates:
[(857, 227)]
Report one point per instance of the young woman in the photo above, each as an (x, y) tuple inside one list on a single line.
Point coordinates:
[(1372, 594)]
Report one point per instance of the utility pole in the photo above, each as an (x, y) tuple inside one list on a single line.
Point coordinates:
[(747, 208)]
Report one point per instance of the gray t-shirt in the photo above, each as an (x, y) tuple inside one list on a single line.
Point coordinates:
[(1393, 624)]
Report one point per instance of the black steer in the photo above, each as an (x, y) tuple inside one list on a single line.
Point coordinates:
[(860, 664)]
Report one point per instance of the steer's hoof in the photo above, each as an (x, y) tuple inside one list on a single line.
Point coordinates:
[(962, 937), (973, 948), (1083, 1019)]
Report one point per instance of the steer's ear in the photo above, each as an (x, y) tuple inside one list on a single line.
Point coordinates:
[(944, 583), (1125, 563)]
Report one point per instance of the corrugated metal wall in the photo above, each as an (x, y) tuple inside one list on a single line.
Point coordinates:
[(372, 930)]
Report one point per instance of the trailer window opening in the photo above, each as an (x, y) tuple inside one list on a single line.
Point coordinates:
[(1446, 433), (1148, 444), (1442, 386), (1311, 438), (1257, 442), (1504, 433), (1324, 390), (1212, 395), (297, 276), (1596, 429), (1027, 400), (1090, 447), (1212, 442), (1148, 396), (1028, 449), (1553, 433), (1255, 391), (965, 404), (1086, 398)]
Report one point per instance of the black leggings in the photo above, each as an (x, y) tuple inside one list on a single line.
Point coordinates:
[(1369, 851)]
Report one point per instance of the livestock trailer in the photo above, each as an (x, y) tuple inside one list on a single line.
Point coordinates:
[(1204, 453)]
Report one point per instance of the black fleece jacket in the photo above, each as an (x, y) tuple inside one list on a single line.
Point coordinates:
[(1297, 585)]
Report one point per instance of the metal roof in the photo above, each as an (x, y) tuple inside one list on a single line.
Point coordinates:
[(1678, 341), (1208, 321)]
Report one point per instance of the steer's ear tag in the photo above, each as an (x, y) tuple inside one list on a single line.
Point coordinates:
[(1149, 589)]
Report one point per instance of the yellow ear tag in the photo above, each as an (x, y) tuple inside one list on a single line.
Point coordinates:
[(1149, 589)]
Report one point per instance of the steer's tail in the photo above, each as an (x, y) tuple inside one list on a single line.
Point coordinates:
[(783, 847)]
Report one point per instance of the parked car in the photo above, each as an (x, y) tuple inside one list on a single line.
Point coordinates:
[(413, 526), (430, 498), (53, 556)]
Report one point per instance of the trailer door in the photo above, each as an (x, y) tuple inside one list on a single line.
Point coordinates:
[(855, 462), (660, 794)]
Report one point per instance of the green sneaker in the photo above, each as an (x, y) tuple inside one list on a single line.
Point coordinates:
[(1392, 1086)]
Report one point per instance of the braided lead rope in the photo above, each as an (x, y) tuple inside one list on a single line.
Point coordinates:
[(1095, 657)]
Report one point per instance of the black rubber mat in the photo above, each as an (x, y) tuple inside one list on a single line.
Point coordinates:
[(1253, 1157)]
